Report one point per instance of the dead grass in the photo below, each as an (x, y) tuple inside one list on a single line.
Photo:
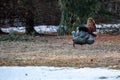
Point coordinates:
[(58, 51)]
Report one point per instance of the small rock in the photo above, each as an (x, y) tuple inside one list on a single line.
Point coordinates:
[(103, 77), (26, 74)]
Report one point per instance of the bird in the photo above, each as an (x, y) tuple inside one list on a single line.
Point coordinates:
[(85, 34), (82, 36)]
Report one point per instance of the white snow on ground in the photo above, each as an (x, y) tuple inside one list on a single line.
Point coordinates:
[(57, 73), (52, 28), (108, 25), (18, 29), (44, 28), (39, 29)]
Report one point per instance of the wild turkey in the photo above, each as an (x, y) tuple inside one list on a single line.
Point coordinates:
[(82, 36), (85, 35)]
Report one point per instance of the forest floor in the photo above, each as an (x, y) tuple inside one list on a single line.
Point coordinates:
[(58, 51)]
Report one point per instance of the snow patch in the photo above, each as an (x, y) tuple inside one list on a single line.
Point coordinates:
[(57, 73)]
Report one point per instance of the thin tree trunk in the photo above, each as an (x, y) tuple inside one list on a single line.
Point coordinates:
[(1, 32), (30, 23)]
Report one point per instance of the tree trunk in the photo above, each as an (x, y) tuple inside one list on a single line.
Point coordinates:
[(1, 32), (30, 23)]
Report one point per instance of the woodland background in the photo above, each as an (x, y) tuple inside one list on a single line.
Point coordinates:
[(49, 12)]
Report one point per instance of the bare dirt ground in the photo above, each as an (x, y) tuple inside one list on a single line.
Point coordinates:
[(58, 51)]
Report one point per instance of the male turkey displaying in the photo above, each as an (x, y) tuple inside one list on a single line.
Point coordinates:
[(85, 35)]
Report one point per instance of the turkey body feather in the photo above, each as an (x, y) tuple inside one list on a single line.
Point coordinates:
[(82, 36)]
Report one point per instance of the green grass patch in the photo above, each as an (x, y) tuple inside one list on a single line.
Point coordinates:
[(15, 36)]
